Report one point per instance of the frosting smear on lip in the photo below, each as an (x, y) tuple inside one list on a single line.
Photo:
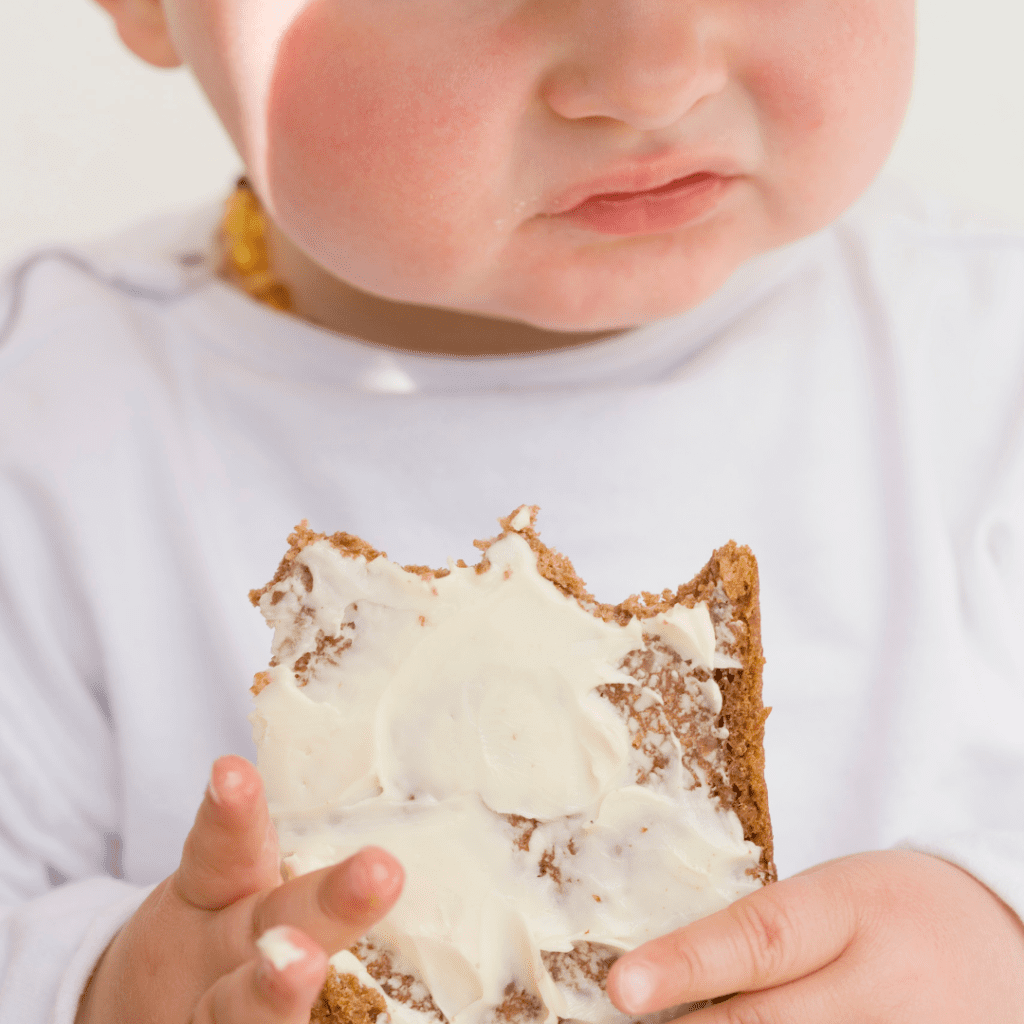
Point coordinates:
[(463, 721)]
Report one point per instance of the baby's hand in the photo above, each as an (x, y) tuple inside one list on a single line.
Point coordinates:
[(189, 954), (879, 938)]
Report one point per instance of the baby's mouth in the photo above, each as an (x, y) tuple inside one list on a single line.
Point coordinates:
[(665, 208), (677, 185)]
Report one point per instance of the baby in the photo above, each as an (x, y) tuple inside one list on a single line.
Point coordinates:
[(430, 174), (535, 180)]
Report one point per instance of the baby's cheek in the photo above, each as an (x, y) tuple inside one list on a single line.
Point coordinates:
[(375, 156), (830, 89)]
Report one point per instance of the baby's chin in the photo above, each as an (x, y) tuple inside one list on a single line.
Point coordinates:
[(568, 293), (534, 313), (619, 288), (606, 304)]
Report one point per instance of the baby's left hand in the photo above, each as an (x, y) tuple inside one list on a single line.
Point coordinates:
[(878, 938)]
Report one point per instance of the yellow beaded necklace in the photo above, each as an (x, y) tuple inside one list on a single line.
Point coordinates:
[(247, 263)]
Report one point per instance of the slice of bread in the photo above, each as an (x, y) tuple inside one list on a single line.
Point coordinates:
[(563, 779)]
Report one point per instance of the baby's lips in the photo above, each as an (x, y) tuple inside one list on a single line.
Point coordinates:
[(643, 177)]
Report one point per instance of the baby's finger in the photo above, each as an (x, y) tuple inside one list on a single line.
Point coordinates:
[(279, 986), (337, 905), (231, 851), (771, 937), (821, 998)]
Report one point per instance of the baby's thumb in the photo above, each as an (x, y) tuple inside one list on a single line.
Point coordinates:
[(231, 851)]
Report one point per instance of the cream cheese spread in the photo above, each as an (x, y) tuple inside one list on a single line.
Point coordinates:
[(458, 721), (275, 945)]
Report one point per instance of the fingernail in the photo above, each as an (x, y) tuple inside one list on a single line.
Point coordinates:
[(229, 785), (211, 790), (636, 986), (276, 947), (372, 879), (270, 838)]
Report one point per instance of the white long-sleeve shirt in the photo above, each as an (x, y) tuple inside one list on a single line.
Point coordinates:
[(851, 407)]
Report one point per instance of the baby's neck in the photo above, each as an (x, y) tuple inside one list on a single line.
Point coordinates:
[(325, 300)]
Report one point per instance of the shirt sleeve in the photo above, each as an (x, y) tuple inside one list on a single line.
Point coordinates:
[(49, 946), (60, 899), (990, 553)]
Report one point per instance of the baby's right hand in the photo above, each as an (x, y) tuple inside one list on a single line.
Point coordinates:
[(189, 954)]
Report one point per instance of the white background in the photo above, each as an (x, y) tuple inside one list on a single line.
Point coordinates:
[(91, 138)]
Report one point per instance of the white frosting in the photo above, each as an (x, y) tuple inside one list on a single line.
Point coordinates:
[(459, 701), (275, 945), (522, 518), (688, 630)]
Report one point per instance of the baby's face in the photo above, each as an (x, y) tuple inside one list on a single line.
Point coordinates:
[(446, 152)]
